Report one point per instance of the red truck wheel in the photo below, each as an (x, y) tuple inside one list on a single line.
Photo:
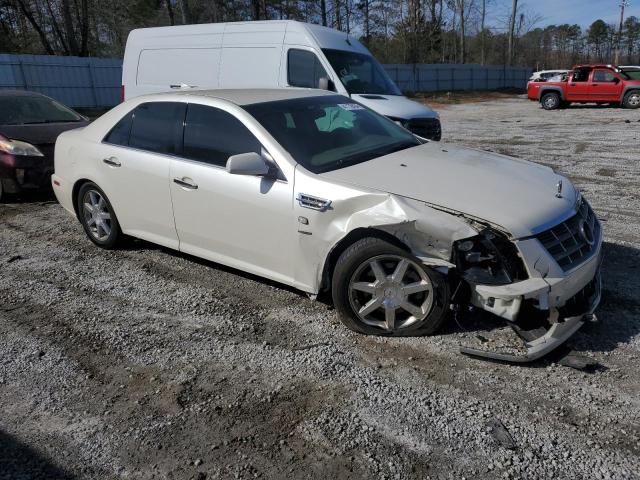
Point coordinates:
[(632, 99), (550, 101)]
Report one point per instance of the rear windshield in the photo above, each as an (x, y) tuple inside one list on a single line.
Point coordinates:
[(27, 110), (330, 132)]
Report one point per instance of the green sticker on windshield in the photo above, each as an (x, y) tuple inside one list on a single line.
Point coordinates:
[(351, 106)]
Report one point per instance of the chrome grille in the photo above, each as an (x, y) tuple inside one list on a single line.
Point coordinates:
[(573, 241)]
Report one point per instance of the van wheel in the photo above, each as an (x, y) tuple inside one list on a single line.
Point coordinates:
[(380, 289), (550, 101), (632, 99), (97, 217)]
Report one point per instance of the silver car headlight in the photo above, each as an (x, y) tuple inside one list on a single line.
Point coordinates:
[(17, 147)]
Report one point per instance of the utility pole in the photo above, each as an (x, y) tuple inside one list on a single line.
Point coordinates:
[(623, 3)]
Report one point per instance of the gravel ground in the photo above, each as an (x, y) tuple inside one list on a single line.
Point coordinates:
[(145, 363)]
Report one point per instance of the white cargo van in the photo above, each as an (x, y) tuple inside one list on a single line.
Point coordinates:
[(267, 54)]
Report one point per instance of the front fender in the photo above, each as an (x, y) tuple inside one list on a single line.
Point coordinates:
[(427, 232)]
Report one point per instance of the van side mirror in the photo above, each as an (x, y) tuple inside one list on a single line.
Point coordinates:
[(325, 84), (250, 163)]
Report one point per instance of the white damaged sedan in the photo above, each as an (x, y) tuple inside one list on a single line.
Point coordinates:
[(312, 190)]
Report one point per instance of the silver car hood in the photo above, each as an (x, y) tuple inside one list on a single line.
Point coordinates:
[(517, 195)]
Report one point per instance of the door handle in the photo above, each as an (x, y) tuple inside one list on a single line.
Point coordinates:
[(112, 162), (181, 85), (572, 84), (185, 184), (595, 84)]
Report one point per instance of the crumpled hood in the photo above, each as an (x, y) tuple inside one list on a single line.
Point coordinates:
[(39, 133), (517, 195), (395, 106)]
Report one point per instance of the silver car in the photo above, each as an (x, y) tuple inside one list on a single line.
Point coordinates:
[(313, 190)]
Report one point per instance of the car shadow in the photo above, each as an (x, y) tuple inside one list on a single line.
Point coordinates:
[(18, 460), (29, 197)]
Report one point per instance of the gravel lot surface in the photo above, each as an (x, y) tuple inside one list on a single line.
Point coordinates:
[(145, 363)]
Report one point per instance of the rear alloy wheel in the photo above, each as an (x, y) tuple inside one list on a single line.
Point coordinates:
[(379, 289), (550, 101), (97, 217), (632, 99)]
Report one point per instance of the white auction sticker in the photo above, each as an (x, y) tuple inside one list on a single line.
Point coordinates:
[(351, 106)]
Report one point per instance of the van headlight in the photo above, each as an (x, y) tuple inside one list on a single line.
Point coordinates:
[(489, 258), (16, 147)]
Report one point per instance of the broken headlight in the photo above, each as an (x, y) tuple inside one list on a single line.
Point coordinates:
[(488, 259)]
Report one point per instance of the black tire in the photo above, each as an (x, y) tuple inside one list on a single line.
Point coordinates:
[(93, 226), (2, 194), (631, 99), (550, 101), (345, 299)]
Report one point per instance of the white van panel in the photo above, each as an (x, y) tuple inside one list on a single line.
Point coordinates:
[(173, 66), (250, 67), (267, 33)]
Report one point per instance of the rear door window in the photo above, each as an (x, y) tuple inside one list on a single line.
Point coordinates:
[(157, 127), (603, 76), (304, 69), (119, 135), (212, 135)]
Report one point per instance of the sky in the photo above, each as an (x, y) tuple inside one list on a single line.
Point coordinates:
[(582, 12)]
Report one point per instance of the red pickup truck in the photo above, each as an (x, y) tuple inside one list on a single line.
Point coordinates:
[(588, 84)]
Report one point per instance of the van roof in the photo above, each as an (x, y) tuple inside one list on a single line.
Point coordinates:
[(247, 96)]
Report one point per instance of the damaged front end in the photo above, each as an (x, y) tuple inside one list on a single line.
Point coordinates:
[(545, 286)]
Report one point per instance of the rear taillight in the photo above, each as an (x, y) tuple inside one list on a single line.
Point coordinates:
[(122, 93)]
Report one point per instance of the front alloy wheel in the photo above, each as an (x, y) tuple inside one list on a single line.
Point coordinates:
[(380, 289), (390, 292)]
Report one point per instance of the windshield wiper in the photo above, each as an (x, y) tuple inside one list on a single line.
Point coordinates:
[(37, 122)]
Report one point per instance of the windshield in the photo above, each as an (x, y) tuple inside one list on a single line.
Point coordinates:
[(27, 109), (330, 132), (360, 73)]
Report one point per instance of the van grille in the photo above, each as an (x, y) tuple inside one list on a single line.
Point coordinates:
[(573, 241), (426, 127)]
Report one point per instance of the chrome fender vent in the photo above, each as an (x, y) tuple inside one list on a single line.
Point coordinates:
[(314, 203)]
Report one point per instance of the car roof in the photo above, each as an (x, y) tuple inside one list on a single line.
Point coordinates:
[(247, 96), (19, 93)]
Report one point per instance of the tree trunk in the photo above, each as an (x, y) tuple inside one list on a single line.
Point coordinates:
[(68, 26), (323, 12), (512, 28), (462, 32), (56, 29), (43, 37), (84, 28), (367, 29), (172, 19), (483, 37)]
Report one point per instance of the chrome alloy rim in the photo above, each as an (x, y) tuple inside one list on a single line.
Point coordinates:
[(551, 101), (390, 292), (634, 99), (96, 215)]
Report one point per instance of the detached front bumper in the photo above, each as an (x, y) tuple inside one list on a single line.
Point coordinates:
[(569, 301)]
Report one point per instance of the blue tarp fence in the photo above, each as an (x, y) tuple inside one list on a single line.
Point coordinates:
[(95, 82), (75, 81)]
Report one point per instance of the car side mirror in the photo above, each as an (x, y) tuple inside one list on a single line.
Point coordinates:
[(325, 84), (250, 163), (616, 80)]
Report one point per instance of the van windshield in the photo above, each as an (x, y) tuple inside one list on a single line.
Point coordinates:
[(360, 73), (330, 132)]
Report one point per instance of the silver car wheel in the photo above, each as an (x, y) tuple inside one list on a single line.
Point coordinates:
[(551, 101), (634, 99), (390, 292), (96, 215)]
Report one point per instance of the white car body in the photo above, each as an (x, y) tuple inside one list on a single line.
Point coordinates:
[(547, 75), (427, 197), (251, 55)]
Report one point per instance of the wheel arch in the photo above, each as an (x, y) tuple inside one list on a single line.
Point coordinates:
[(545, 90), (348, 240), (74, 193)]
